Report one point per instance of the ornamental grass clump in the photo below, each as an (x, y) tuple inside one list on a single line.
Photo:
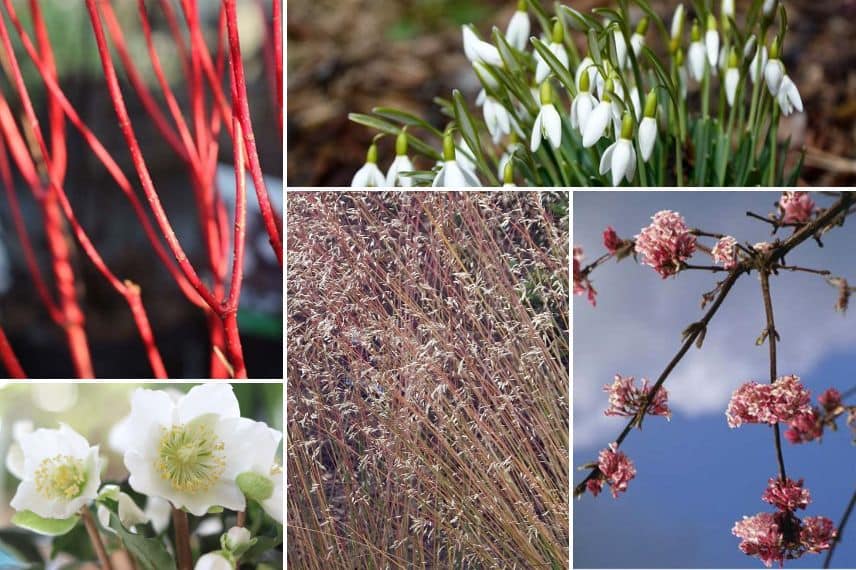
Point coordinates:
[(428, 380), (619, 95)]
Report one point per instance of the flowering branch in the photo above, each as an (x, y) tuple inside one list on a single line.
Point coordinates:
[(772, 336), (844, 518)]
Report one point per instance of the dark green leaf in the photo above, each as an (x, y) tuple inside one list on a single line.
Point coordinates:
[(150, 553)]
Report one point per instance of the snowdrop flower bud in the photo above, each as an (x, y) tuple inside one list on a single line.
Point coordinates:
[(620, 48), (789, 97), (750, 49), (400, 164), (774, 70), (583, 103), (769, 7), (637, 40), (557, 47), (759, 63), (648, 126), (732, 78), (727, 10), (369, 175), (513, 145), (696, 54), (508, 175), (517, 33), (620, 157), (711, 41), (548, 124), (677, 28), (451, 175), (598, 118), (478, 50), (635, 102), (214, 561)]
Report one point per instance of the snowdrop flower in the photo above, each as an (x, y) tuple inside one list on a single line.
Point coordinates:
[(508, 175), (732, 78), (506, 156), (677, 29), (637, 40), (727, 10), (214, 561), (61, 473), (711, 41), (369, 175), (648, 126), (548, 124), (635, 102), (619, 157), (696, 54), (769, 6), (598, 119), (451, 174), (466, 156), (620, 48), (496, 117), (774, 70), (789, 97), (557, 48), (759, 63), (400, 164), (189, 452), (477, 50), (15, 455), (588, 67), (583, 103), (517, 32)]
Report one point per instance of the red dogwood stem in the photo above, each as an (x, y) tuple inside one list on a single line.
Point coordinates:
[(8, 358)]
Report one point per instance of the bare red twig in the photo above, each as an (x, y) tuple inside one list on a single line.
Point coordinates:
[(8, 358)]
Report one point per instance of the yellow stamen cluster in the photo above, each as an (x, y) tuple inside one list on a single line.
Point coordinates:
[(61, 477), (190, 457)]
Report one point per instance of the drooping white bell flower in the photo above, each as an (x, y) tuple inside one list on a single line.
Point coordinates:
[(727, 9), (648, 126), (588, 67), (451, 175), (518, 29), (774, 70), (598, 119), (369, 175), (557, 48), (635, 102), (508, 175), (711, 42), (620, 157), (637, 40), (513, 146), (262, 480), (478, 50), (497, 118), (548, 123), (400, 164), (789, 97), (677, 27), (15, 455), (189, 452), (620, 48), (769, 6), (696, 54), (61, 473), (583, 103), (759, 62), (466, 157), (732, 78)]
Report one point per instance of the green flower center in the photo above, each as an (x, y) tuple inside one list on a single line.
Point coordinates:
[(190, 457), (61, 477)]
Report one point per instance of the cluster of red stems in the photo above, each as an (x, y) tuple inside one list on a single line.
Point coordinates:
[(666, 245), (194, 139)]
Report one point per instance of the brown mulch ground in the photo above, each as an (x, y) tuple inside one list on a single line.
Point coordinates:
[(341, 60)]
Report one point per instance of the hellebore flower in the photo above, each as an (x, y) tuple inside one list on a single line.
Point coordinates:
[(400, 164), (620, 157), (214, 561), (557, 48), (15, 455), (548, 123), (517, 32), (262, 479), (477, 50), (451, 174), (189, 452), (369, 175), (61, 473)]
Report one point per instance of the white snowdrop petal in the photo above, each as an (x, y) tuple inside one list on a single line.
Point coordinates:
[(596, 124)]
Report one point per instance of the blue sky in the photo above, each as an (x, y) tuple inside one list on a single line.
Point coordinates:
[(695, 476)]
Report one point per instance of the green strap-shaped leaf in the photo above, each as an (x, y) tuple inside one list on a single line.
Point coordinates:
[(391, 129), (406, 119), (470, 133), (561, 72)]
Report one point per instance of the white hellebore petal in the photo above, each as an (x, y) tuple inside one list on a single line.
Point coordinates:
[(61, 473), (400, 164), (711, 44), (542, 70), (596, 123), (451, 175), (581, 108), (758, 64), (265, 475), (478, 50), (647, 137), (496, 118), (213, 561), (773, 73), (15, 455), (130, 515), (369, 176), (789, 97), (695, 60), (517, 33), (732, 78), (189, 452), (548, 125), (620, 158)]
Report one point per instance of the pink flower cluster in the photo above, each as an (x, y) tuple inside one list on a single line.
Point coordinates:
[(781, 401), (725, 252), (787, 495), (626, 399), (772, 537), (615, 468), (830, 399), (611, 241), (666, 243), (797, 207), (808, 426), (581, 284)]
